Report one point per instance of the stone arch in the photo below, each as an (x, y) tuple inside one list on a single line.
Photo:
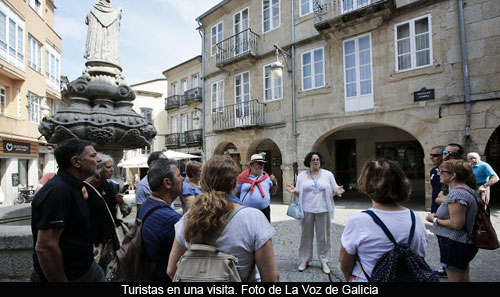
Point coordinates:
[(492, 157)]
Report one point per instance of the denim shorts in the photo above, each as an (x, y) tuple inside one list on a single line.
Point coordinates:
[(456, 255)]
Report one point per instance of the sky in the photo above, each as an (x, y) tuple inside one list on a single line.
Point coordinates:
[(155, 35)]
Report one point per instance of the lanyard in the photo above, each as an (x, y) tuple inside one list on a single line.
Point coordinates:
[(315, 180)]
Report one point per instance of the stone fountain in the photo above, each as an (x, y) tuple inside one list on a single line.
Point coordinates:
[(101, 101)]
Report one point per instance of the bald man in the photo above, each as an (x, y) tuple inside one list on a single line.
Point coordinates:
[(485, 175)]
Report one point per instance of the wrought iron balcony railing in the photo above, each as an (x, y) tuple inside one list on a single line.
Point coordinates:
[(236, 46), (193, 137), (173, 101), (172, 140), (193, 95), (326, 10), (239, 115)]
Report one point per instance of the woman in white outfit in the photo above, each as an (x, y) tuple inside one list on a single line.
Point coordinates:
[(316, 188)]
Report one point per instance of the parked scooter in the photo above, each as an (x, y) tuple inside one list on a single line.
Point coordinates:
[(25, 195)]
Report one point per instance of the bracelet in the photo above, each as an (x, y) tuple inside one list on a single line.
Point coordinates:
[(435, 221)]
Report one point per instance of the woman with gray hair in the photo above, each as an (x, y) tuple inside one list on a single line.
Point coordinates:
[(103, 201)]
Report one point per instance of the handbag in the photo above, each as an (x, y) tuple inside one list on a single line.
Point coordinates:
[(483, 233), (295, 210)]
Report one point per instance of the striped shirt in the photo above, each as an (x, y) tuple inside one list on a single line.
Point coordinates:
[(462, 196)]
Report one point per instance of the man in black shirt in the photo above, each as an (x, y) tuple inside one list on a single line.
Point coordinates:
[(61, 219)]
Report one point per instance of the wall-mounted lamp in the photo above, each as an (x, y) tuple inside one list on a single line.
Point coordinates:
[(277, 67)]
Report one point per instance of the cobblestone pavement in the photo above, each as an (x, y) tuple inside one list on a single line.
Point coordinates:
[(485, 267)]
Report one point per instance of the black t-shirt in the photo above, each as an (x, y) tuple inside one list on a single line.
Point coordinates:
[(101, 224), (60, 204)]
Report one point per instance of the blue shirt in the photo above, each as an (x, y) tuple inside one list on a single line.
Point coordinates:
[(142, 191), (255, 198), (158, 235), (189, 190), (483, 171)]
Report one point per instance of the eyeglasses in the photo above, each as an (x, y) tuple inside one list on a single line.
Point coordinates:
[(450, 153), (436, 155)]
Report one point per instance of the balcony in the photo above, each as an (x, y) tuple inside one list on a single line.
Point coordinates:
[(248, 114), (341, 11), (172, 140), (239, 47), (192, 95), (193, 137), (173, 101)]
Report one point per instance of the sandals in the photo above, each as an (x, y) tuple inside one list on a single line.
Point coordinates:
[(303, 266)]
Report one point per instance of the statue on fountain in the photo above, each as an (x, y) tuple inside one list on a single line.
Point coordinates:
[(101, 101)]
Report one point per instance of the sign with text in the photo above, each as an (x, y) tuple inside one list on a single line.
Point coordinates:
[(423, 94), (11, 147)]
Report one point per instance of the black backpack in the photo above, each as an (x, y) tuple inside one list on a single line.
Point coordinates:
[(400, 264)]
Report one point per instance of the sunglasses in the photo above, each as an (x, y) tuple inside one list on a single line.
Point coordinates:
[(450, 153), (436, 155)]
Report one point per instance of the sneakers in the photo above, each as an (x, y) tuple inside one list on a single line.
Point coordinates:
[(303, 266), (325, 268)]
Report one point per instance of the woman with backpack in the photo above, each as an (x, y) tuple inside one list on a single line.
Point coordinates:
[(247, 236), (364, 242), (454, 220)]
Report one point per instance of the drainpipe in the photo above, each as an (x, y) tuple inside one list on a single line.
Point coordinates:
[(201, 31), (294, 101), (465, 72)]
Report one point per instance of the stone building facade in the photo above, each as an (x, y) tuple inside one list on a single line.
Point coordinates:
[(184, 107), (30, 57), (361, 80)]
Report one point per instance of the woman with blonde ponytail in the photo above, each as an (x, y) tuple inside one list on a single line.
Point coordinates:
[(247, 236)]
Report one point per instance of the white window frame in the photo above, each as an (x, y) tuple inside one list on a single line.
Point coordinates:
[(355, 5), (412, 37), (174, 128), (272, 26), (272, 83), (219, 35), (34, 108), (196, 81), (184, 85), (13, 44), (52, 67), (3, 100), (313, 69), (358, 102), (173, 88), (37, 8), (184, 122), (34, 54), (217, 96), (310, 6)]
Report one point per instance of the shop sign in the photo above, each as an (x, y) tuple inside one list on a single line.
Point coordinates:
[(11, 147)]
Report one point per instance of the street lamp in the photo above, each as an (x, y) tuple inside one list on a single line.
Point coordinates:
[(277, 67)]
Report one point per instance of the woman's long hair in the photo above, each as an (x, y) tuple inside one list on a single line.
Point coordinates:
[(207, 214)]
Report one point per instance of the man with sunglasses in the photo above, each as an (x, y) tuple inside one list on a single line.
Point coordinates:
[(436, 156)]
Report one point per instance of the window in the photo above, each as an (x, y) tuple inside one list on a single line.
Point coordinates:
[(184, 85), (147, 113), (34, 108), (217, 96), (313, 70), (273, 88), (173, 126), (413, 44), (34, 54), (37, 6), (358, 87), (308, 6), (11, 36), (217, 34), (270, 14), (196, 81), (3, 100), (350, 5), (184, 122), (52, 67)]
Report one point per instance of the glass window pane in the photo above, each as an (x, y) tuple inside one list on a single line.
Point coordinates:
[(403, 46), (350, 75), (422, 42), (366, 87), (364, 43), (349, 47), (318, 55), (319, 80), (306, 58), (306, 71), (365, 72), (423, 58), (364, 57), (307, 83), (422, 26), (404, 62), (403, 31), (318, 67), (351, 90)]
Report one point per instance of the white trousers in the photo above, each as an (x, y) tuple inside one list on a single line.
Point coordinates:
[(320, 222)]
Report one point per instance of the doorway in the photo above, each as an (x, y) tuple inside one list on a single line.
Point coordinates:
[(345, 161)]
